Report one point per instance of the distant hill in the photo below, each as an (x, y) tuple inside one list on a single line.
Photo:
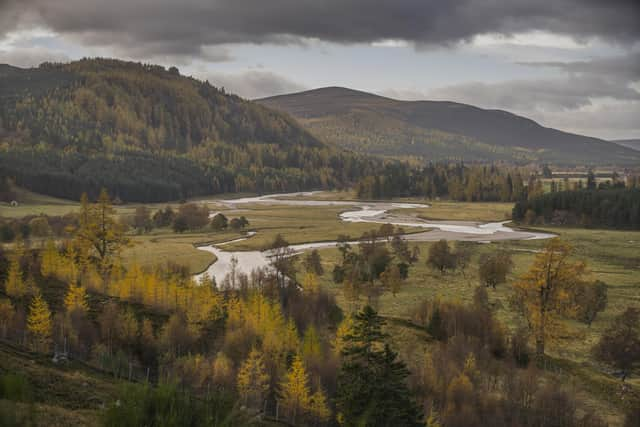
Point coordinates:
[(438, 130), (634, 144), (150, 134)]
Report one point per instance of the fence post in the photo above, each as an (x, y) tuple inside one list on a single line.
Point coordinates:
[(148, 374)]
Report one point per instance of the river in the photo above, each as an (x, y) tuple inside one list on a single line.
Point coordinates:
[(370, 212)]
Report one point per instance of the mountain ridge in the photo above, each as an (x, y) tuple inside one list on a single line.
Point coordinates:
[(442, 129)]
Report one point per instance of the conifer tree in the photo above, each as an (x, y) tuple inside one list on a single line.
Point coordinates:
[(311, 344), (294, 391), (39, 323), (50, 259), (318, 406), (76, 299), (15, 285), (253, 380), (372, 386)]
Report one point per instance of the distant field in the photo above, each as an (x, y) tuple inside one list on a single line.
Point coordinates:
[(165, 246), (463, 211)]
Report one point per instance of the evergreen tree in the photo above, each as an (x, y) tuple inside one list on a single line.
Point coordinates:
[(372, 389)]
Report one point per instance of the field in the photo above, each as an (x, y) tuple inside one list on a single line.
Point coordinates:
[(611, 256)]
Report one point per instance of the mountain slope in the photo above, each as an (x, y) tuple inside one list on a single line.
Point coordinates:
[(438, 129), (150, 134), (634, 144)]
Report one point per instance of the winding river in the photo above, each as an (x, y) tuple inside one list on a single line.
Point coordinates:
[(370, 212)]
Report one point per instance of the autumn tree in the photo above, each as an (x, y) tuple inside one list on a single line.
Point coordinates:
[(76, 299), (441, 257), (313, 263), (253, 380), (294, 391), (392, 279), (39, 323), (619, 345), (493, 268), (238, 223), (14, 284), (282, 259), (546, 292), (99, 232), (142, 219), (219, 222), (50, 259), (591, 299), (318, 406), (372, 387), (310, 283)]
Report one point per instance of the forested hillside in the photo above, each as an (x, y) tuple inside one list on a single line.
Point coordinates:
[(439, 130), (150, 134)]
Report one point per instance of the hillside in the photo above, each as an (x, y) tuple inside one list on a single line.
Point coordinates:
[(149, 134), (438, 130), (634, 144)]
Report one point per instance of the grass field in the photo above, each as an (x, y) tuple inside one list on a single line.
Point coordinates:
[(612, 256), (463, 211)]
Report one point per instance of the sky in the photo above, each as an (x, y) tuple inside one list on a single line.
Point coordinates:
[(569, 64)]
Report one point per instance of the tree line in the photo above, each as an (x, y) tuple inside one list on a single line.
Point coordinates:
[(457, 181), (610, 208)]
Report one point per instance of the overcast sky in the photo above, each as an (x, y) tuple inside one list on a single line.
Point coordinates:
[(570, 64)]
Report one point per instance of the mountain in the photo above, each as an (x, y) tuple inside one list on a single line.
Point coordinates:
[(438, 130), (150, 134), (634, 144)]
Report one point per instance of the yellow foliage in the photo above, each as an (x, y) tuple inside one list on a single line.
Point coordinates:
[(14, 284), (545, 292), (318, 407), (39, 322), (294, 390), (310, 283), (344, 329), (76, 299), (253, 380)]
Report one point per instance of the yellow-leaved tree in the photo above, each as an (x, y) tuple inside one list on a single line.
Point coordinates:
[(76, 299), (39, 323), (318, 407), (345, 328), (294, 391), (545, 293), (50, 259), (253, 380), (99, 235), (15, 285), (310, 283)]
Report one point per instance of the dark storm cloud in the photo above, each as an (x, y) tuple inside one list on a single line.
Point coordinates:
[(183, 27)]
